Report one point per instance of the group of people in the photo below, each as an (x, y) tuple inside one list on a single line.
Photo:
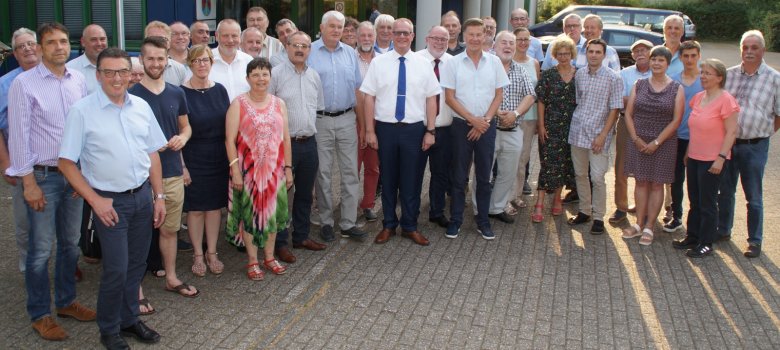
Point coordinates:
[(257, 124)]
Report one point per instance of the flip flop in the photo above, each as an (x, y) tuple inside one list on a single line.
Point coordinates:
[(149, 309), (179, 290)]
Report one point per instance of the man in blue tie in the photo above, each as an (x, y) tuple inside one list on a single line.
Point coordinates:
[(398, 106)]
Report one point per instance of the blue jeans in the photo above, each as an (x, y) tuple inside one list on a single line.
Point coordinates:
[(747, 163), (703, 195), (305, 163), (125, 247), (463, 151), (400, 151), (59, 221), (21, 223), (439, 157)]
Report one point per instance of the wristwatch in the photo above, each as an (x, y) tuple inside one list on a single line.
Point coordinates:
[(431, 131), (159, 196), (655, 142), (517, 115)]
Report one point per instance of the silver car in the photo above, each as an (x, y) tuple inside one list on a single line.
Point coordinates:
[(690, 28)]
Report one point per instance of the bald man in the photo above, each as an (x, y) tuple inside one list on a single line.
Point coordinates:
[(94, 41)]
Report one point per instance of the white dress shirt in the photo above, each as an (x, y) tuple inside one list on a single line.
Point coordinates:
[(445, 113), (232, 76)]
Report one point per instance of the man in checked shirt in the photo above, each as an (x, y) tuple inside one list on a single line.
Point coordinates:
[(519, 96)]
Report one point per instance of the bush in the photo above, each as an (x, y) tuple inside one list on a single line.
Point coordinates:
[(771, 30)]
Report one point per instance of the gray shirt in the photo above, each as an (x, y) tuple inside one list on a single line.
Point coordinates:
[(302, 93)]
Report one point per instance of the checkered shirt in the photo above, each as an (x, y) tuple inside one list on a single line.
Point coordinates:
[(519, 87), (758, 96), (597, 95)]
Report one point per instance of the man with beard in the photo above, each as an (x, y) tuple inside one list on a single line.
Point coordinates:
[(28, 55), (174, 72), (518, 98), (229, 67), (93, 40), (367, 156), (170, 110), (439, 155), (400, 92), (301, 89)]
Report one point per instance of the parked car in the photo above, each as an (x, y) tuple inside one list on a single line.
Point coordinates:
[(620, 38), (690, 28), (647, 18)]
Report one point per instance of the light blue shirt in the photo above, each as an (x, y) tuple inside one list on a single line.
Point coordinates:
[(339, 73), (83, 65), (5, 85), (112, 143), (683, 132), (535, 50), (676, 66), (550, 61), (630, 75), (475, 87)]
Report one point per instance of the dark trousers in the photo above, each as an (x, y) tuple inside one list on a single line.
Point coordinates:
[(703, 195), (439, 157), (747, 164), (463, 151), (679, 179), (305, 163), (125, 247), (400, 150)]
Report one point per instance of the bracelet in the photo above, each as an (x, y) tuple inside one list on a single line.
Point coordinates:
[(722, 156), (288, 167), (233, 162)]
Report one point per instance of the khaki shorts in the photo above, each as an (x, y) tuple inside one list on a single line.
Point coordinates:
[(174, 200)]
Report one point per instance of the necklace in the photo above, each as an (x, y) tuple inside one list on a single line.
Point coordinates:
[(203, 89)]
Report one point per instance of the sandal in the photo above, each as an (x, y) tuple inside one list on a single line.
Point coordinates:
[(254, 273), (145, 303), (518, 203), (216, 267), (274, 266), (180, 290), (510, 210), (198, 267), (537, 216), (158, 273), (647, 237), (632, 231), (557, 210)]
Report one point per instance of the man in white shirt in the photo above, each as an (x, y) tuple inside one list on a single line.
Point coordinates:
[(94, 41), (257, 17), (439, 156), (592, 27), (229, 67), (400, 93)]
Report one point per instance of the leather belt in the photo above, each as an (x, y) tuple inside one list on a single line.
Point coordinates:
[(334, 114), (301, 139), (749, 141), (46, 168), (507, 130)]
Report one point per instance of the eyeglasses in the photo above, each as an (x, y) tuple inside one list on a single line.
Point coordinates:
[(110, 73), (438, 39), (402, 33), (563, 53), (29, 44), (199, 61), (300, 46)]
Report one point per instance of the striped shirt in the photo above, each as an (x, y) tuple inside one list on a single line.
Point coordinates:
[(758, 96), (302, 93), (519, 87), (37, 105), (597, 95)]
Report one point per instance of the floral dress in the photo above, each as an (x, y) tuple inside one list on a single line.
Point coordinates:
[(260, 207), (559, 98)]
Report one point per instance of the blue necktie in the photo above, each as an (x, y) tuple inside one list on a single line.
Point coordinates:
[(400, 101)]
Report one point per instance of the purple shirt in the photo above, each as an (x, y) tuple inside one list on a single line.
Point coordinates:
[(37, 105)]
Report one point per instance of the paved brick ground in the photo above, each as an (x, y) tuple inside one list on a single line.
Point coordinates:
[(536, 286)]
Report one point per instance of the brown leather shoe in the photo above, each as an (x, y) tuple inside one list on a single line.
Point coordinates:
[(416, 237), (285, 255), (309, 244), (49, 329), (384, 235), (77, 311)]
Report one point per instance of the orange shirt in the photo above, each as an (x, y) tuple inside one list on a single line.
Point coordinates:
[(707, 125)]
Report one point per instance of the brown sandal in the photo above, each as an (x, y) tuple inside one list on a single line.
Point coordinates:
[(198, 267), (216, 267)]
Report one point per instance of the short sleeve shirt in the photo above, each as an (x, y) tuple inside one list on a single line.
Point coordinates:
[(707, 127), (597, 95), (475, 86)]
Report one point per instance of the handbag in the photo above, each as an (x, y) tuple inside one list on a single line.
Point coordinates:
[(89, 243)]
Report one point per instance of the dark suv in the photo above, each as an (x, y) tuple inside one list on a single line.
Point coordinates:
[(650, 19)]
